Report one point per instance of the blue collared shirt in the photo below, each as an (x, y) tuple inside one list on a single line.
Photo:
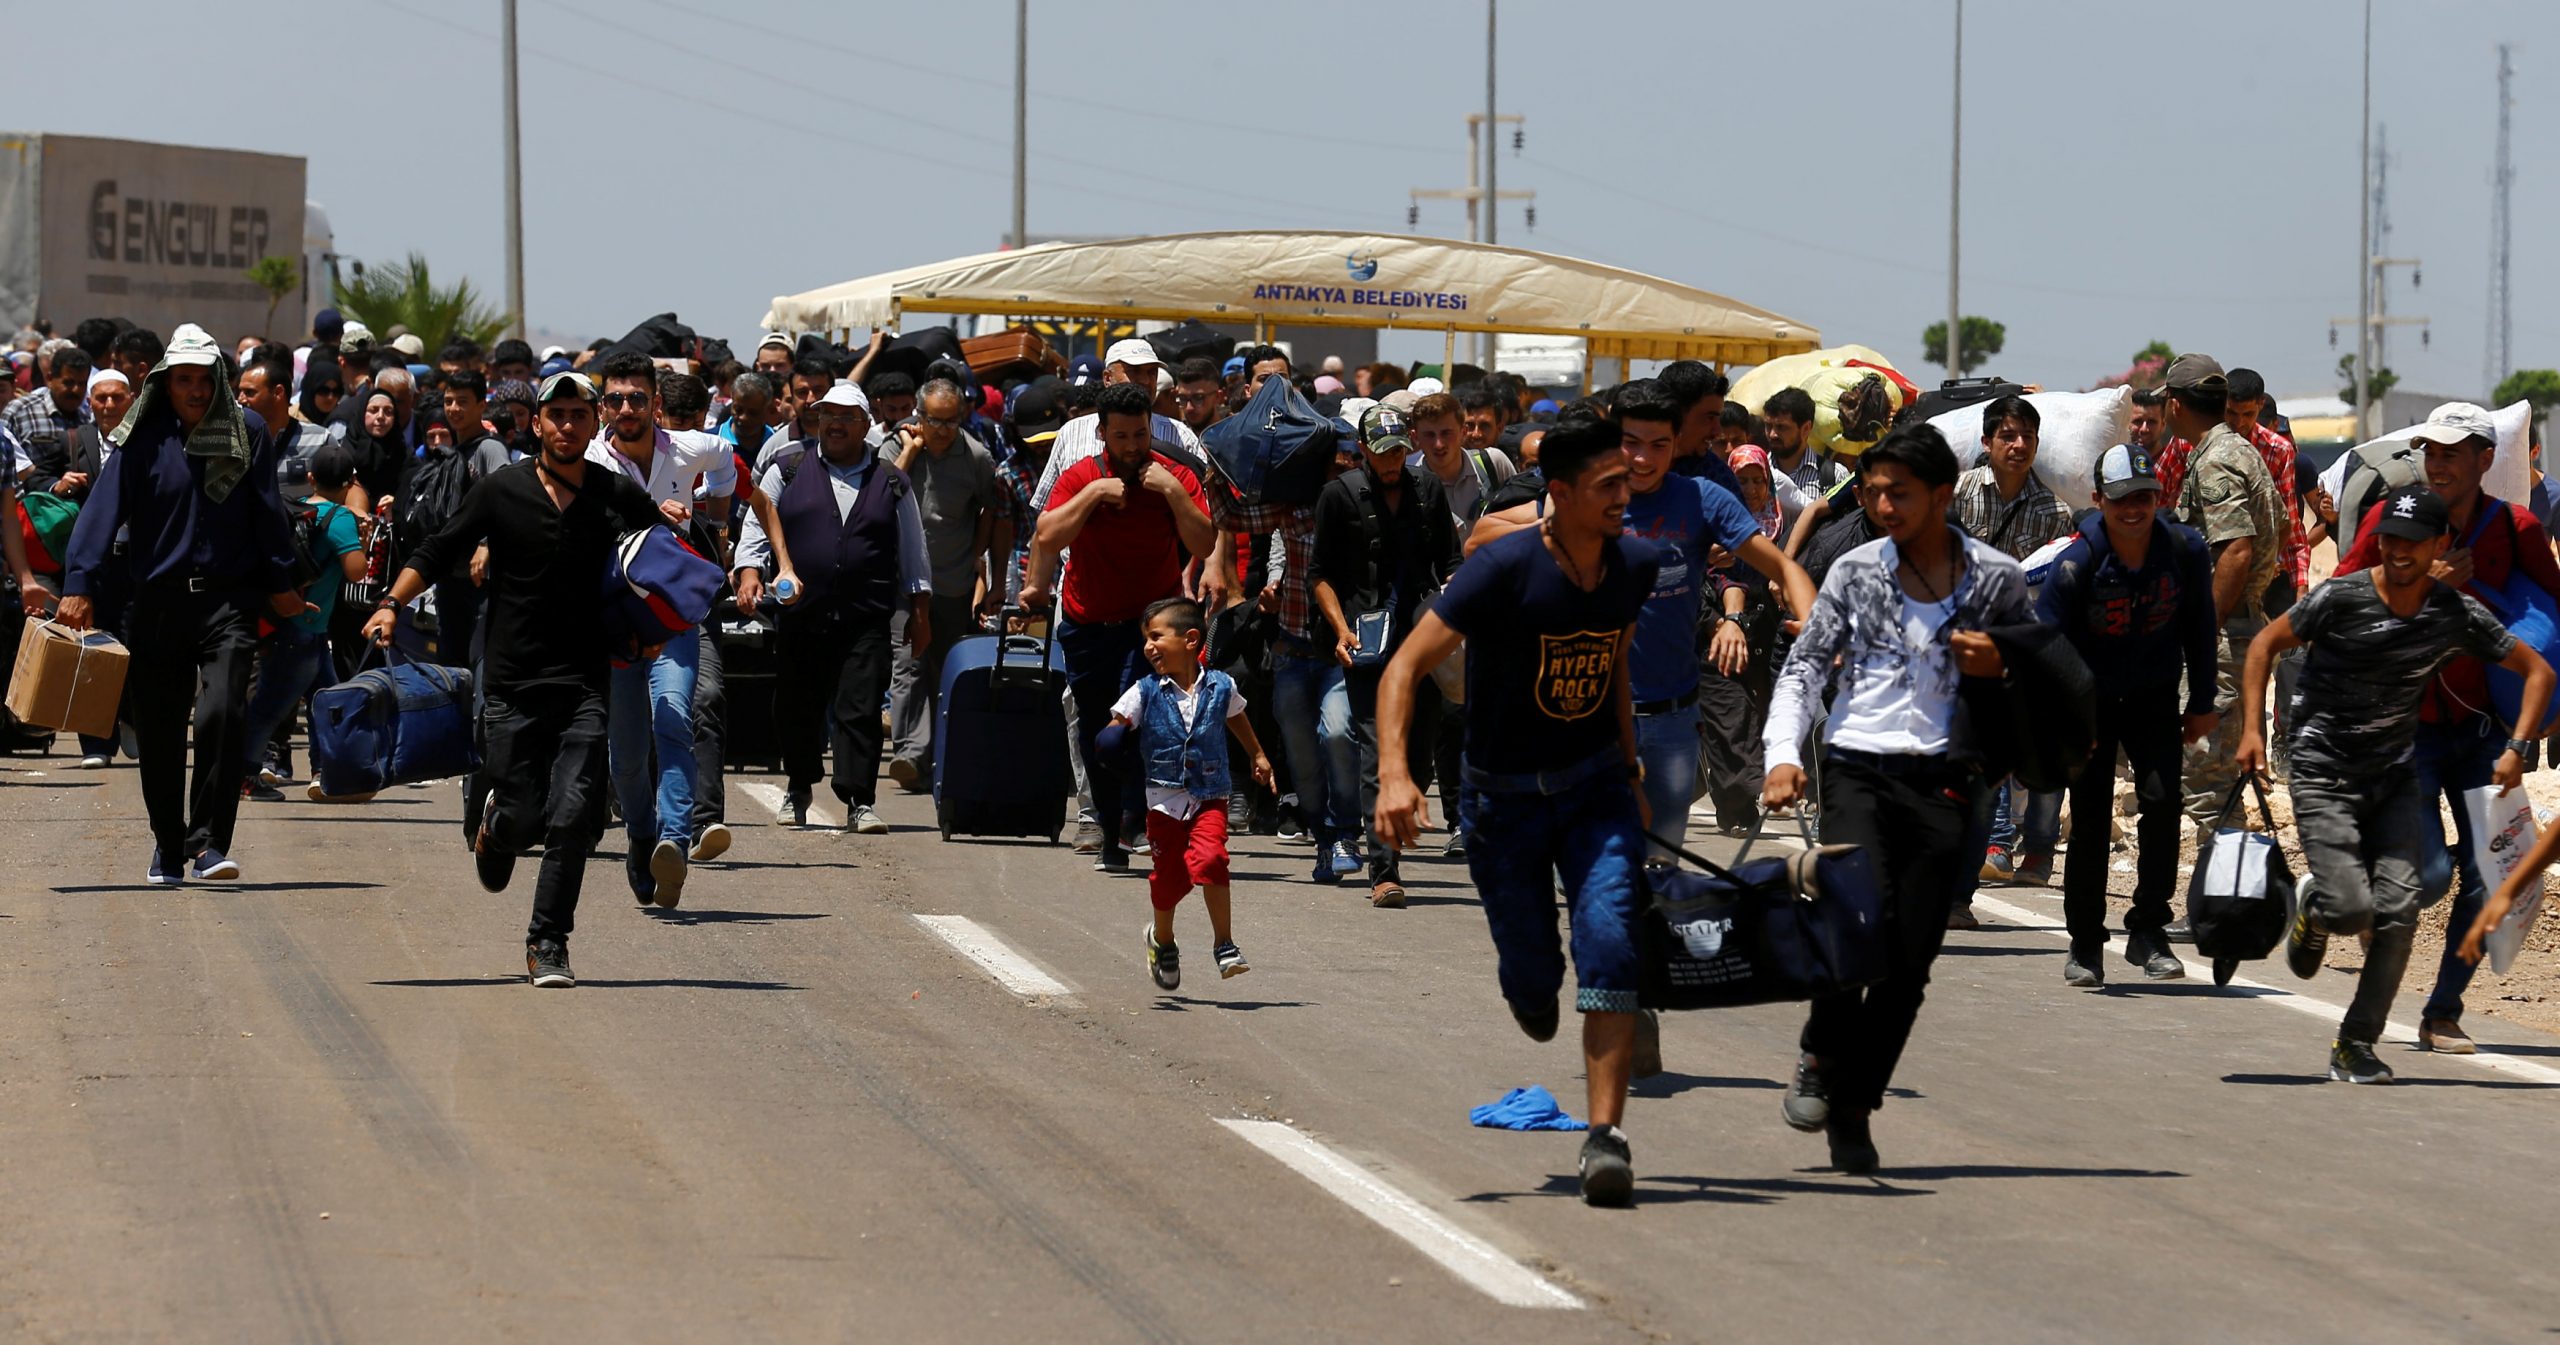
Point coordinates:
[(177, 531)]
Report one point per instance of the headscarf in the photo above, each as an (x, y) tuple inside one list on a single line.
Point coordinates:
[(1752, 455), (222, 437), (379, 462), (321, 373)]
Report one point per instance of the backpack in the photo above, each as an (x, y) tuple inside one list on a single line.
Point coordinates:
[(432, 496), (312, 555), (44, 521), (2376, 470), (1276, 449)]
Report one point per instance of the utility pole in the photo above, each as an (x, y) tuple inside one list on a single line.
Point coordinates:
[(2379, 320), (1481, 200), (1021, 113), (2501, 187), (2362, 374), (1955, 212), (515, 178), (1485, 343)]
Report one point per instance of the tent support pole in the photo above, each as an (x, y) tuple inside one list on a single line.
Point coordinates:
[(1449, 359), (1586, 368)]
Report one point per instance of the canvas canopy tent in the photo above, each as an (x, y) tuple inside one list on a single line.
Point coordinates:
[(1319, 278)]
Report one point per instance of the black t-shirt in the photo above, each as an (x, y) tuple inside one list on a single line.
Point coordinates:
[(2355, 707), (1542, 655)]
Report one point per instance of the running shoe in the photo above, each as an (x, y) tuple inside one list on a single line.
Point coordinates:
[(864, 821), (213, 866), (2445, 1037), (1164, 962), (164, 874), (259, 791), (546, 965), (2305, 943), (1853, 1146), (1807, 1104), (1996, 867), (1134, 837), (797, 804), (1293, 826), (495, 866), (1456, 846), (1111, 860), (908, 773), (1608, 1168), (711, 844), (667, 871), (1538, 1022), (93, 762), (635, 866), (1230, 960), (1088, 835), (1346, 858), (2355, 1062)]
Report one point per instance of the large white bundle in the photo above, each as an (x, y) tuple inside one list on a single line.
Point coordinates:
[(2077, 427), (2510, 474)]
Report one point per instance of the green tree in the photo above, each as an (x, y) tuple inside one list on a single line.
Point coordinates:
[(402, 294), (2538, 386), (1982, 340), (278, 276), (2379, 382)]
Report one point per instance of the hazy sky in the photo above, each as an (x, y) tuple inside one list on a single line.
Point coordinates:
[(2183, 171)]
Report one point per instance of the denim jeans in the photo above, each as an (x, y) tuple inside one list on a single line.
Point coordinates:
[(2449, 759), (2039, 813), (1586, 835), (1313, 708), (290, 663), (2363, 837), (1102, 661), (1667, 744), (651, 707)]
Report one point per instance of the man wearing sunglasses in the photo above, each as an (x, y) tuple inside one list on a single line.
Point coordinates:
[(968, 532)]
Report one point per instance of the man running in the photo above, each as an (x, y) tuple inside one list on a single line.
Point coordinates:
[(1551, 767), (550, 523), (1900, 618), (2376, 639)]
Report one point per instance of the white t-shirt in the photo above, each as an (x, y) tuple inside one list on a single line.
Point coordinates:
[(1905, 699), (1176, 802), (677, 459)]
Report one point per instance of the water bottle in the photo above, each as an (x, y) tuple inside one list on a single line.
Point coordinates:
[(785, 590)]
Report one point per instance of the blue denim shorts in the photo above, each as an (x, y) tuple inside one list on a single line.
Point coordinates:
[(1587, 835)]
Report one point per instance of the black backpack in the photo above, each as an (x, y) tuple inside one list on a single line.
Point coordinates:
[(1276, 449), (312, 556), (432, 496)]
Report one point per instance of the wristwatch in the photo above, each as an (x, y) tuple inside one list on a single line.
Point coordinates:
[(2519, 746), (387, 604)]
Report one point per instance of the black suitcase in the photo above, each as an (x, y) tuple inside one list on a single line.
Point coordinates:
[(750, 738), (1000, 740), (1957, 393)]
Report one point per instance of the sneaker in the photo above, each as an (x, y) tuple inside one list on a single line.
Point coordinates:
[(1111, 860), (1648, 1059), (1456, 846), (908, 774), (213, 866), (1608, 1168), (862, 821), (1962, 917), (546, 965), (711, 844), (2080, 975), (495, 866), (1230, 960), (1853, 1147), (2445, 1037), (1293, 826), (1325, 872), (667, 870), (162, 874), (1347, 859), (93, 763), (2035, 868), (1539, 1022), (1996, 867), (2178, 931), (1739, 831), (796, 803), (1386, 896), (1134, 837), (2355, 1062), (2154, 957), (2304, 944), (269, 775), (259, 791), (1807, 1104), (1088, 836), (1164, 962), (635, 866)]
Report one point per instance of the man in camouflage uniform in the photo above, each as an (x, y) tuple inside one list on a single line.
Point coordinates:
[(2229, 496)]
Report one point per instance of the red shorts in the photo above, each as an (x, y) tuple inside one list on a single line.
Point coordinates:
[(1187, 854)]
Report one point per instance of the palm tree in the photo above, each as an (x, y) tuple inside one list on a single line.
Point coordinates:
[(401, 294)]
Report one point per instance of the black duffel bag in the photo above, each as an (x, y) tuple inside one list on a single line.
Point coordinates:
[(2240, 896), (1773, 930), (1275, 450)]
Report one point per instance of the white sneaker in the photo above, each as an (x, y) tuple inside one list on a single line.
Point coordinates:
[(864, 822), (93, 763), (711, 844)]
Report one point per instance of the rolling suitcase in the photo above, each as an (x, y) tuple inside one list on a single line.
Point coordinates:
[(1000, 740), (1016, 353)]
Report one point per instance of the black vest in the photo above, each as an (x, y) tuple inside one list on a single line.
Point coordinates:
[(848, 564)]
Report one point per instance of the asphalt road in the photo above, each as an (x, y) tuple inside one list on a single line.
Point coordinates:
[(320, 1104)]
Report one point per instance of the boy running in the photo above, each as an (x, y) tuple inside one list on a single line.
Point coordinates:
[(2376, 639), (1176, 715)]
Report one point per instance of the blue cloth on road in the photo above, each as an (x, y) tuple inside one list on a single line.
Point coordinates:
[(1530, 1108)]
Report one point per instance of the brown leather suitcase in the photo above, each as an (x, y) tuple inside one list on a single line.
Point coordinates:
[(1016, 352)]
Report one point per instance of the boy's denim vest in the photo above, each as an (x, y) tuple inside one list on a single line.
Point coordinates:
[(1193, 760)]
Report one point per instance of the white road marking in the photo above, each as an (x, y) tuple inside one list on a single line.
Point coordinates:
[(977, 943), (1465, 1255), (2290, 998), (823, 811)]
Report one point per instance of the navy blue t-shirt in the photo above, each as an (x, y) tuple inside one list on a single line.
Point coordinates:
[(1542, 655), (1683, 518)]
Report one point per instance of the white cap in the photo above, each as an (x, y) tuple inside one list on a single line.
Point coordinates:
[(1424, 387), (776, 339), (354, 333), (2454, 422), (190, 344), (554, 352), (1164, 379), (106, 374), (1131, 351), (1353, 408), (846, 394), (1332, 365), (407, 343)]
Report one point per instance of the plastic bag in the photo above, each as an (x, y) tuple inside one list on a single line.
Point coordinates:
[(2502, 832), (2077, 427)]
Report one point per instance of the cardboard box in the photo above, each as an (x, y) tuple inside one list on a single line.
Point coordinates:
[(68, 679)]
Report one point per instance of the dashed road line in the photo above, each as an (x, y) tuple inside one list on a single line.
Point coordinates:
[(994, 956), (1463, 1254), (823, 812)]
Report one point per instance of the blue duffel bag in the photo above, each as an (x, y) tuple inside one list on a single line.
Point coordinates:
[(1276, 449), (1768, 931), (395, 725), (656, 587)]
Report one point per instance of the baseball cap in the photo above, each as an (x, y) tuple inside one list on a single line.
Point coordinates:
[(2413, 512), (1085, 369), (2194, 371), (1233, 366), (1402, 400), (2126, 470), (1382, 431), (190, 345), (567, 385), (555, 352), (354, 336), (846, 394), (1424, 387), (1131, 351), (1037, 416), (327, 324), (2454, 422), (776, 339), (407, 343)]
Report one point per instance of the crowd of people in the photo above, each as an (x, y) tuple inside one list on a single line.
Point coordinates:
[(1576, 621)]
